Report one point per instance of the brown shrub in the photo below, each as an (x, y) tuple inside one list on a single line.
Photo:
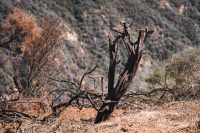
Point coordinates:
[(22, 23), (40, 40)]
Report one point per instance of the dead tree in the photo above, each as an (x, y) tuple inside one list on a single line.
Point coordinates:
[(135, 52), (115, 91)]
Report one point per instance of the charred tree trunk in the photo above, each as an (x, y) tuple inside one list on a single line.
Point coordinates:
[(135, 51)]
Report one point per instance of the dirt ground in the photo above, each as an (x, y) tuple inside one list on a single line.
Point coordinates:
[(174, 117)]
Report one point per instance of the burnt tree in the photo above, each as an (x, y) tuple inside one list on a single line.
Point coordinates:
[(135, 52), (116, 91)]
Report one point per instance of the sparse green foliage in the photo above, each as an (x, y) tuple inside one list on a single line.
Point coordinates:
[(181, 76)]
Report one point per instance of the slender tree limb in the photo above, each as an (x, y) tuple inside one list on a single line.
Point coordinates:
[(57, 80)]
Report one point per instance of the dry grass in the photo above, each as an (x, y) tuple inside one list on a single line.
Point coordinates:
[(175, 117)]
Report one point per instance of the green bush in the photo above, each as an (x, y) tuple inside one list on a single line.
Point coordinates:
[(180, 79)]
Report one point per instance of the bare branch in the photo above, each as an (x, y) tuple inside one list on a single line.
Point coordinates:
[(57, 80), (90, 100)]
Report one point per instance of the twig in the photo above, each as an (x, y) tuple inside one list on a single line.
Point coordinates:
[(80, 93), (90, 100), (66, 81)]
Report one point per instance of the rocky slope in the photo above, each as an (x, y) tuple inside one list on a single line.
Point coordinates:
[(176, 25)]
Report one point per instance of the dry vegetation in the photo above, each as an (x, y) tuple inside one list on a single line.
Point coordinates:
[(174, 117), (37, 42), (22, 23)]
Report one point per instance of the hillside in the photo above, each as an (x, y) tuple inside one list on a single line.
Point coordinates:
[(59, 50), (90, 22)]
